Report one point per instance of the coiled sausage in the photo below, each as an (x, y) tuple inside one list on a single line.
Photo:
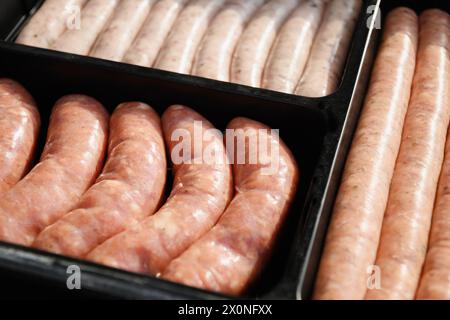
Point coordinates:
[(71, 160), (129, 188), (201, 190), (19, 127), (231, 255)]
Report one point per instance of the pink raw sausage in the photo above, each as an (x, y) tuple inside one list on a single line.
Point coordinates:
[(201, 190), (216, 51), (329, 52), (229, 257), (19, 129), (71, 160), (352, 239), (407, 219), (129, 189), (150, 39), (49, 22)]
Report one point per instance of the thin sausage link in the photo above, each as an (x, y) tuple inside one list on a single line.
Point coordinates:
[(291, 50), (150, 39), (328, 55), (178, 51), (255, 43), (94, 17), (114, 41), (49, 22), (216, 51)]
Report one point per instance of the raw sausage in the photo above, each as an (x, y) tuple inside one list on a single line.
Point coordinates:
[(126, 22), (291, 50), (49, 22), (201, 190), (71, 160), (178, 51), (231, 255), (256, 41), (435, 280), (254, 46), (150, 39), (19, 127), (216, 51), (94, 17), (129, 188), (328, 54), (407, 219), (352, 239)]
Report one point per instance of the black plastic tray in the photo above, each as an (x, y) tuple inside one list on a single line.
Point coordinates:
[(318, 131)]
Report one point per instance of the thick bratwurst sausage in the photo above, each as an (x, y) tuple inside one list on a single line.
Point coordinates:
[(328, 54), (178, 51), (230, 256), (129, 189), (352, 239), (255, 43), (291, 50), (202, 188), (126, 22), (94, 17), (19, 127), (435, 280), (407, 219), (71, 160), (150, 39), (216, 51), (49, 22)]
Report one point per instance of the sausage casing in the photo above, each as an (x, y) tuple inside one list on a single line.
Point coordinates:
[(256, 41), (114, 41), (71, 160), (19, 127), (329, 52), (216, 51), (178, 51), (201, 191), (150, 39), (94, 16), (49, 22), (435, 279), (290, 52), (231, 255), (129, 189)]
